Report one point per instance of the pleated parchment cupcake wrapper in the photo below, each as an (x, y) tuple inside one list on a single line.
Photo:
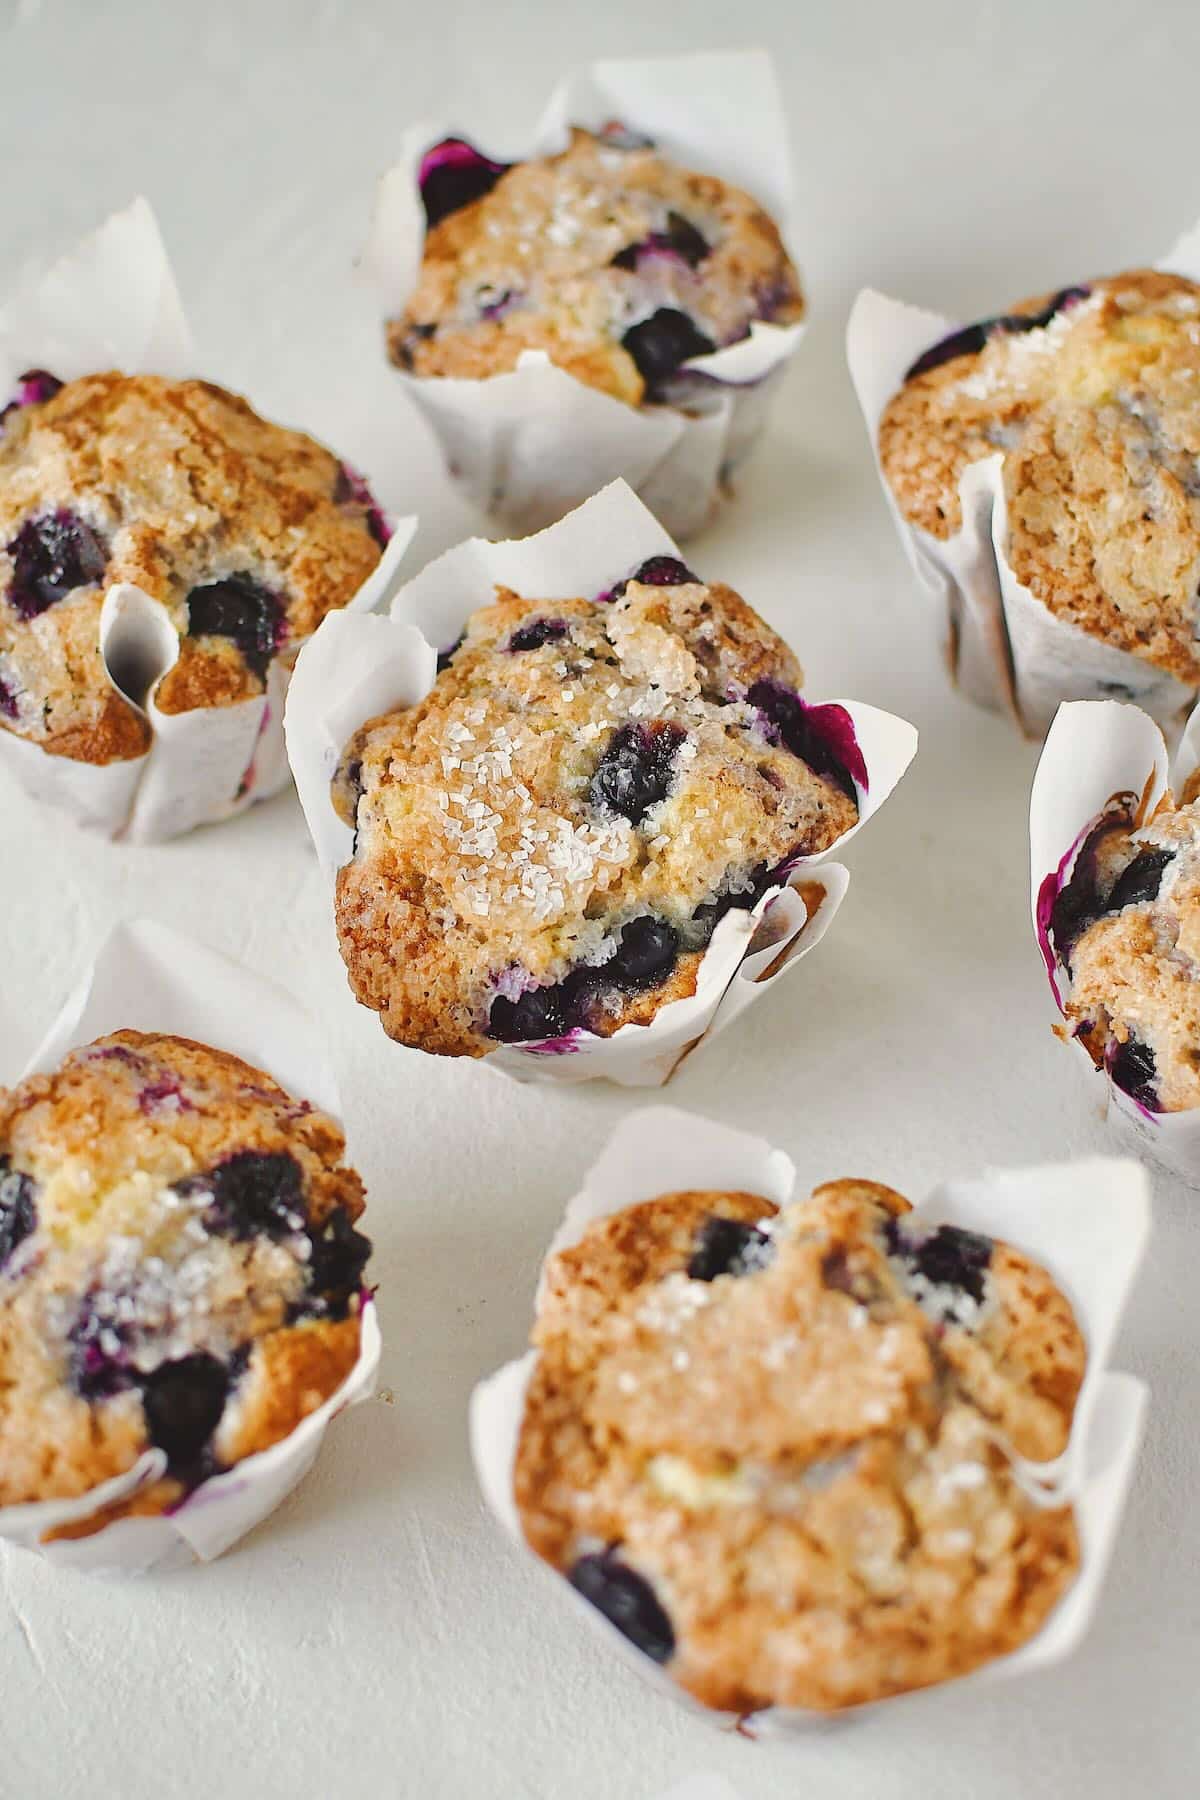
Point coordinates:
[(355, 668), (1086, 1221), (113, 304), (530, 444), (1005, 649), (150, 978), (1095, 751)]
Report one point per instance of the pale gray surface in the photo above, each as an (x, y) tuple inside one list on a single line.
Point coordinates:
[(377, 1635)]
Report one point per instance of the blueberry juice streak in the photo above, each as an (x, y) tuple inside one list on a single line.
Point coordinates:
[(821, 736)]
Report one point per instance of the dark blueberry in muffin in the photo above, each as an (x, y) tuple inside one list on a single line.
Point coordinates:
[(681, 239), (656, 571), (240, 608), (99, 1362), (1079, 902), (252, 1191), (52, 556), (948, 1257), (446, 657), (454, 174), (183, 1402), (1141, 880), (8, 699), (536, 633), (627, 1601), (1132, 1068), (33, 387), (821, 736), (972, 338), (635, 770), (644, 957), (659, 344), (727, 1247), (541, 1012), (18, 1213), (339, 1256)]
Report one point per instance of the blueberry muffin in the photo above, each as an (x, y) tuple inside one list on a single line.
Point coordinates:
[(1125, 930), (616, 262), (771, 1446), (248, 534), (179, 1269), (1092, 397), (545, 843)]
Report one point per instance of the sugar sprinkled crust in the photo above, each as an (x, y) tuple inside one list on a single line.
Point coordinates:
[(546, 842), (1126, 929), (178, 1266), (1096, 412), (575, 254), (248, 533), (772, 1446)]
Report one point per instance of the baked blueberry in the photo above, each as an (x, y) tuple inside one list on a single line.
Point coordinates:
[(183, 1403), (239, 608), (627, 1601), (1133, 1069), (728, 1247), (251, 1191), (661, 343), (52, 555), (533, 636), (680, 238), (1140, 881), (18, 1212), (454, 174), (945, 1258), (636, 769)]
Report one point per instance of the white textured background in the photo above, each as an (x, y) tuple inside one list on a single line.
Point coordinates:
[(378, 1636)]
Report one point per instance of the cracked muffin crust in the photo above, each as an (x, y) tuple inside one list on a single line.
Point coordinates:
[(617, 263), (770, 1445), (1092, 396), (179, 1268), (1126, 932), (545, 844), (248, 533)]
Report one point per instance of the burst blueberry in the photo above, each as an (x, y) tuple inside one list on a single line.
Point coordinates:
[(1133, 1069), (240, 608), (636, 769), (1140, 881), (728, 1247), (339, 1255), (453, 174), (661, 343), (52, 555), (644, 957), (948, 1257), (536, 632), (18, 1212), (627, 1601), (252, 1191), (540, 1012), (183, 1402), (821, 736), (679, 239)]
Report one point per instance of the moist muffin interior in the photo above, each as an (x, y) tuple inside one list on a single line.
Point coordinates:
[(772, 1447), (1092, 397), (247, 533), (545, 844), (179, 1268), (616, 262)]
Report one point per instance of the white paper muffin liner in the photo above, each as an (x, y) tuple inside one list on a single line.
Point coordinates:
[(1087, 1222), (1004, 648), (150, 978), (531, 444), (1095, 751), (355, 668), (112, 303)]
